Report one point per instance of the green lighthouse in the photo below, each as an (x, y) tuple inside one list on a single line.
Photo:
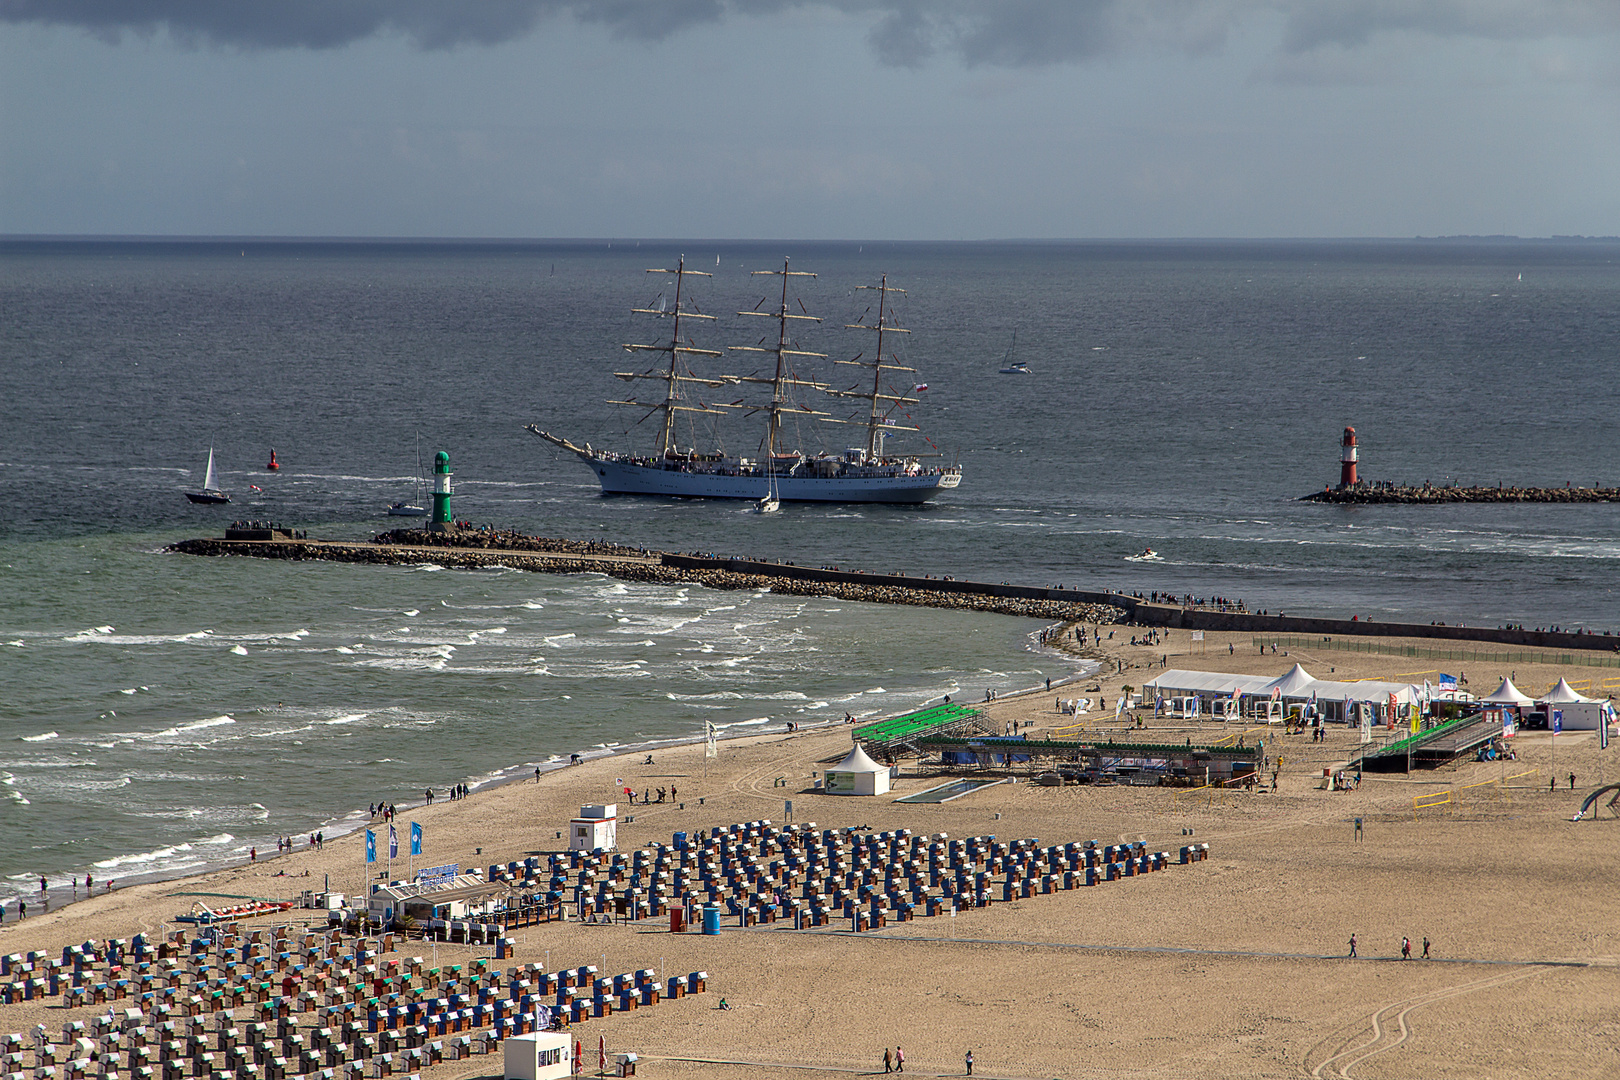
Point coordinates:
[(440, 521)]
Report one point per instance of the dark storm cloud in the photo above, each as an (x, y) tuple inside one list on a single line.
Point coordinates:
[(1351, 23), (998, 33)]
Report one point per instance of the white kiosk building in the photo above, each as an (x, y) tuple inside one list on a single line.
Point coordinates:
[(540, 1055), (597, 827)]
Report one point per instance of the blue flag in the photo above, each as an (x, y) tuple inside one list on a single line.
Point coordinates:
[(393, 843), (371, 846), (416, 838)]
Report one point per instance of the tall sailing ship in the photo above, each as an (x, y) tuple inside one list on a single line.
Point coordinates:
[(866, 473)]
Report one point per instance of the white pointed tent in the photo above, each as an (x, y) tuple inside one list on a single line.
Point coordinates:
[(1561, 694), (1296, 683), (1578, 713), (858, 774), (1506, 694)]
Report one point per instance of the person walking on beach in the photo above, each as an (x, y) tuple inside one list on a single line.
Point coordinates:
[(1352, 946), (888, 1065), (1406, 948), (1571, 787), (970, 1063), (1425, 946), (899, 1060)]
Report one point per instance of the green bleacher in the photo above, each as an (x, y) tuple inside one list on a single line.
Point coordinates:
[(909, 726)]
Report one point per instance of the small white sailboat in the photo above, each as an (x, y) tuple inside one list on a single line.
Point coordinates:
[(1011, 366), (770, 504), (416, 507), (210, 493)]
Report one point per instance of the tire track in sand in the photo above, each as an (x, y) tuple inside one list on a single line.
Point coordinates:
[(1384, 1040)]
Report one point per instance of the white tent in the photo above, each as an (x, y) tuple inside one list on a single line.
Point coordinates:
[(857, 774), (1297, 683), (1576, 713), (1506, 694), (1561, 694)]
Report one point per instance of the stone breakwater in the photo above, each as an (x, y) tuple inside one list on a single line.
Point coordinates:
[(507, 540), (649, 568), (1369, 493)]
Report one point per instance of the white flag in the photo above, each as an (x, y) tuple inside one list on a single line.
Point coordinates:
[(711, 735)]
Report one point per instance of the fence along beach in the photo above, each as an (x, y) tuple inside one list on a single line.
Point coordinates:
[(1257, 929)]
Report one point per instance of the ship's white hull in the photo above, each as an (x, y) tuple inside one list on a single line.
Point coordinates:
[(624, 478)]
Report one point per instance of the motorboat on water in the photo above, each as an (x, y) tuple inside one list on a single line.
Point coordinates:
[(1147, 555), (210, 493)]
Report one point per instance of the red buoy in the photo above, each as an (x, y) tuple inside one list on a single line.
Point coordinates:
[(274, 464)]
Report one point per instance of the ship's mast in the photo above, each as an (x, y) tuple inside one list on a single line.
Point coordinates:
[(875, 425), (676, 372), (784, 376)]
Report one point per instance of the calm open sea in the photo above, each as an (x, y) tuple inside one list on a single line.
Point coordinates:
[(158, 711)]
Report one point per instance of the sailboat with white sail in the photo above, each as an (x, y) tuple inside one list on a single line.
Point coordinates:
[(866, 473), (210, 493), (416, 507)]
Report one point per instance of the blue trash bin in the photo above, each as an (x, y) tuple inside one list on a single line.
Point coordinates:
[(711, 919)]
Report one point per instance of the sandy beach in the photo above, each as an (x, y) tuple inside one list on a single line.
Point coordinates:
[(1232, 967)]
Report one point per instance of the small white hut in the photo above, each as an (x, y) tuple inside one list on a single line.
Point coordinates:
[(542, 1055), (596, 828), (858, 775)]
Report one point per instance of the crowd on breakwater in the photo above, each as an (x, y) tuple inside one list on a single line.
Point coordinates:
[(1429, 493)]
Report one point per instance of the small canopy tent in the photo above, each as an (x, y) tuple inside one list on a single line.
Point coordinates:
[(858, 774), (1576, 713), (1506, 694), (1561, 694)]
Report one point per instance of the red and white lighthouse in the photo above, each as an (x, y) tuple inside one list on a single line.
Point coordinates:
[(1347, 459)]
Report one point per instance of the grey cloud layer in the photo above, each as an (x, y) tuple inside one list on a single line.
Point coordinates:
[(1000, 33)]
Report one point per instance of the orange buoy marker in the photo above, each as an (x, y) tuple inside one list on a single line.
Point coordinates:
[(274, 464)]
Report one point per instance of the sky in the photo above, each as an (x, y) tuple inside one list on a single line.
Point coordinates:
[(837, 119)]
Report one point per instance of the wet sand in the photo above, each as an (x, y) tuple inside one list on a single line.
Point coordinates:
[(1230, 967)]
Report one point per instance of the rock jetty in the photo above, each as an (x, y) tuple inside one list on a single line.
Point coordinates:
[(470, 549), (1428, 493)]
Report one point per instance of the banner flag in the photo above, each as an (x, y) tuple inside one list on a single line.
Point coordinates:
[(1603, 727), (393, 843), (371, 846), (1557, 721), (416, 838), (711, 735)]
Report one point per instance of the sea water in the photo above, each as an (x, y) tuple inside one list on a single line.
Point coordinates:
[(158, 712)]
